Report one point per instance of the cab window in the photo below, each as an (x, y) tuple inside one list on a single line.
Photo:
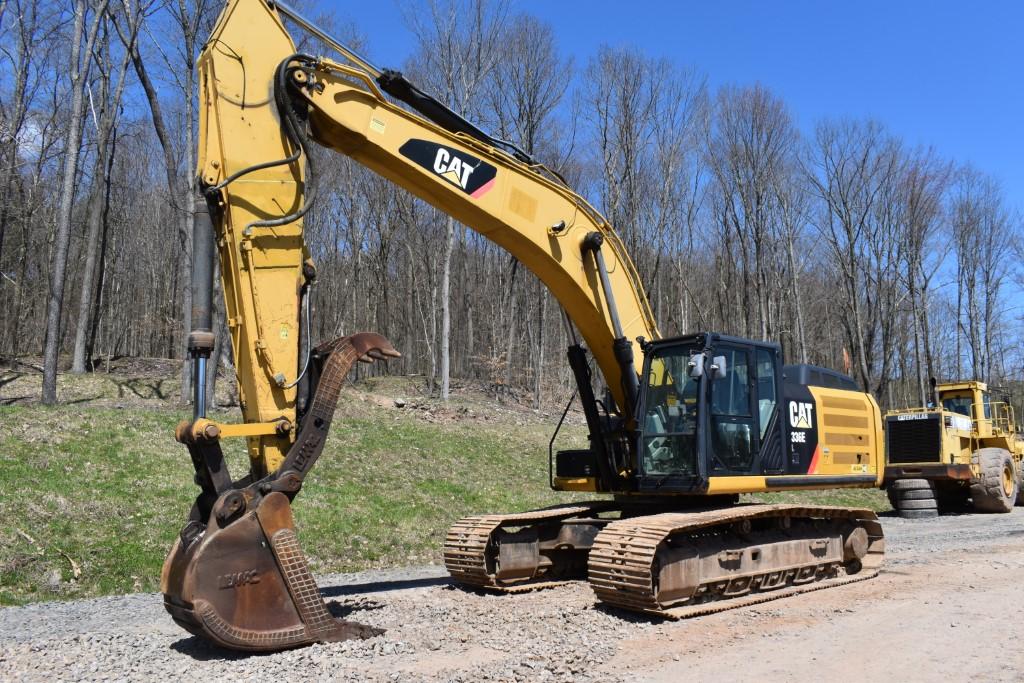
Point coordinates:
[(670, 415), (733, 435), (766, 397), (958, 404)]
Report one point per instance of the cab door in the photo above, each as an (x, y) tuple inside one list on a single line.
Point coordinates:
[(734, 439), (744, 427), (771, 426)]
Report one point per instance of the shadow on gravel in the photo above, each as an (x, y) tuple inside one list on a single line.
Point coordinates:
[(381, 586), (892, 514), (342, 611), (631, 617), (201, 650)]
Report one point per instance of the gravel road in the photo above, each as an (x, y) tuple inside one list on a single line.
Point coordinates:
[(947, 606)]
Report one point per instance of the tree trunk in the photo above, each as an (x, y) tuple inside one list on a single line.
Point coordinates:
[(184, 225), (798, 308), (92, 240), (62, 229), (538, 353), (446, 314)]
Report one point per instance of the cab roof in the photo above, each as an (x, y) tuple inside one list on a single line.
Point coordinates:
[(966, 385)]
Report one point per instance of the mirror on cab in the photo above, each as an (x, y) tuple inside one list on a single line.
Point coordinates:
[(696, 365), (718, 367)]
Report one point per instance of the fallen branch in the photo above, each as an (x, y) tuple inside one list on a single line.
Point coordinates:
[(14, 361), (76, 571), (31, 540)]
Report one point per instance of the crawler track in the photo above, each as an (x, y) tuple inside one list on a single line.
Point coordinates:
[(469, 539), (623, 564)]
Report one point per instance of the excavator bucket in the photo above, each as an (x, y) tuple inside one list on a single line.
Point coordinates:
[(236, 575), (247, 586)]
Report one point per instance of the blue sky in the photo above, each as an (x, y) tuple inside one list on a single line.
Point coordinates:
[(936, 73)]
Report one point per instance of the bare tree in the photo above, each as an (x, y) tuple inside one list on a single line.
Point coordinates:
[(21, 48), (189, 20), (457, 52), (850, 165), (751, 144), (620, 102), (983, 229), (112, 83), (922, 188), (792, 199), (529, 83), (81, 58)]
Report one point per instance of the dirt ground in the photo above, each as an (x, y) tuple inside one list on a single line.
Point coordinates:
[(944, 608), (947, 606)]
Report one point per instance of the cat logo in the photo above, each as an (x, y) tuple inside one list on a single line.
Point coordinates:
[(473, 176), (800, 415), (451, 168)]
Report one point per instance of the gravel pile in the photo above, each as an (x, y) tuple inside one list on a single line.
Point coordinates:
[(433, 630)]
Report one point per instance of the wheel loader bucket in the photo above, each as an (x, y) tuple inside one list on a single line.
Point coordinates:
[(247, 586)]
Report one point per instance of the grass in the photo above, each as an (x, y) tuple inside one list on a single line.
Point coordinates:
[(94, 494), (95, 491), (872, 499)]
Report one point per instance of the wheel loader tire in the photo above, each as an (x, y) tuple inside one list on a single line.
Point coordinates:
[(997, 488), (1020, 485), (911, 485), (918, 514), (925, 504), (917, 495)]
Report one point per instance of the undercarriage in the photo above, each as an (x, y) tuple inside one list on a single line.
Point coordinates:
[(673, 564)]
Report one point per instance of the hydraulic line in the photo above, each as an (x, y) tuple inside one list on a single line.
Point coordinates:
[(306, 295), (288, 11), (293, 130)]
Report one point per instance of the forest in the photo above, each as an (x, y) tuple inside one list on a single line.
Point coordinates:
[(852, 247)]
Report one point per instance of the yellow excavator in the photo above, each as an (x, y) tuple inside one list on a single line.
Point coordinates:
[(685, 426)]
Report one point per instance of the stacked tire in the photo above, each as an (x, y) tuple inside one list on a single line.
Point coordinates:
[(913, 498)]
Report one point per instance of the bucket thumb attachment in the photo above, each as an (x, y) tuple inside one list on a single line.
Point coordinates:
[(236, 575)]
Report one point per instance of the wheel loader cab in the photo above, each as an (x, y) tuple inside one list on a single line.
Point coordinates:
[(967, 399), (709, 406)]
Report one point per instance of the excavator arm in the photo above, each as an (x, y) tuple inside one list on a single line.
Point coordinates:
[(262, 106)]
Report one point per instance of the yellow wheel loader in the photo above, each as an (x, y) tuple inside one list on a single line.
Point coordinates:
[(964, 451), (688, 423)]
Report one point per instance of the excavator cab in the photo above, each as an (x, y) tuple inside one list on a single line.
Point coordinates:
[(709, 402), (721, 414), (707, 406)]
